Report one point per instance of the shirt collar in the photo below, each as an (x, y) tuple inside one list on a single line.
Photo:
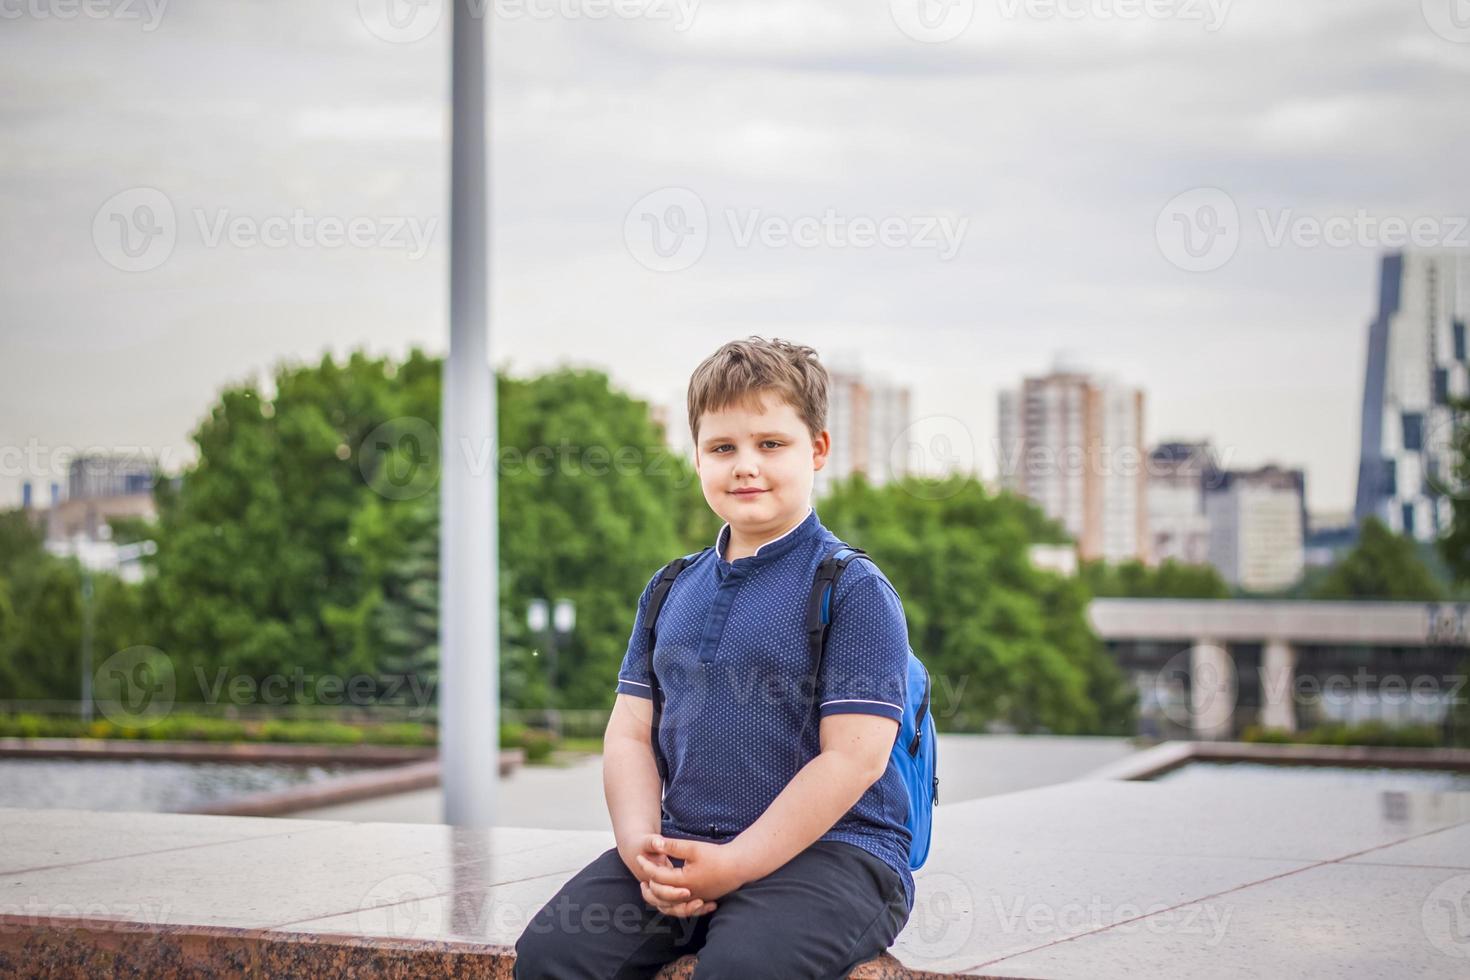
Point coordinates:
[(772, 548)]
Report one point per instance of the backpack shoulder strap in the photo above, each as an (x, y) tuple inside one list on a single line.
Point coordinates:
[(661, 588), (819, 607)]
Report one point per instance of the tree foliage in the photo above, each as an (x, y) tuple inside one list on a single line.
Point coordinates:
[(1004, 641), (1382, 565), (1169, 580)]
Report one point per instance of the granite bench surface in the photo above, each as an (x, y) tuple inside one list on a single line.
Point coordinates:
[(1091, 879)]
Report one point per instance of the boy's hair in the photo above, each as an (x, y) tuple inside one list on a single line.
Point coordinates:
[(741, 370)]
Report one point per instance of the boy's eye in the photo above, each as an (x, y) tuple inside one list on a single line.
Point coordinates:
[(766, 442)]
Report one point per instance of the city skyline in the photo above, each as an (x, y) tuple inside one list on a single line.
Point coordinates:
[(1032, 165)]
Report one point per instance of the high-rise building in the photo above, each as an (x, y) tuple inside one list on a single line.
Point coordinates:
[(105, 475), (1178, 528), (1257, 523), (1416, 365), (866, 416), (1073, 442)]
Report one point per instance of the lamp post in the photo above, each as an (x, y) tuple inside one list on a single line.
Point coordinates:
[(557, 627), (469, 657), (90, 561)]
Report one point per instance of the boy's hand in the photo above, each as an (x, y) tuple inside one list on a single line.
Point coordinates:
[(709, 872), (672, 901)]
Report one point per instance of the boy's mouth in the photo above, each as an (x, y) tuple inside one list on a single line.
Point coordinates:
[(747, 492)]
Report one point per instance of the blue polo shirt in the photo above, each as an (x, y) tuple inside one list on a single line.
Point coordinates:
[(733, 662)]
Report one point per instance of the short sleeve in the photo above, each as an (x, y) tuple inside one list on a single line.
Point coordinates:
[(865, 668), (633, 674)]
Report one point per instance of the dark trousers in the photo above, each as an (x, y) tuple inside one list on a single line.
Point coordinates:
[(826, 910)]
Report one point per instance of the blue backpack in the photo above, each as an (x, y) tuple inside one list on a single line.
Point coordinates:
[(914, 748)]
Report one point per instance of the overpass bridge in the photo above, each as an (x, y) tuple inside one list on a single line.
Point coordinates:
[(1209, 667)]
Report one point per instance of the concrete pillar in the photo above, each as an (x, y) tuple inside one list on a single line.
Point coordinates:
[(1212, 689), (1278, 676)]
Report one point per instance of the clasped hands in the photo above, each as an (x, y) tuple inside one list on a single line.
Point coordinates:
[(709, 872)]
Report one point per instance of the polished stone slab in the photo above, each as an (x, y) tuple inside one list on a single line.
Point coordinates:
[(1332, 920), (37, 839), (1083, 879)]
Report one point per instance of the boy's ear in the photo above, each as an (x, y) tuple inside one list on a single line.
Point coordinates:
[(821, 447)]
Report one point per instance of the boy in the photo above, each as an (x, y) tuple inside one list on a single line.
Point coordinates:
[(777, 847)]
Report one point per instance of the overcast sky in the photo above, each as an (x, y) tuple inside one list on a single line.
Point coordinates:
[(950, 194)]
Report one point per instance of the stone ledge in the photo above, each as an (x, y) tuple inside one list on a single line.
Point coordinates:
[(89, 948)]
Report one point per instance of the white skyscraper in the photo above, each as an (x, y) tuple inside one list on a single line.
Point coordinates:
[(1257, 523), (1416, 364), (1073, 442)]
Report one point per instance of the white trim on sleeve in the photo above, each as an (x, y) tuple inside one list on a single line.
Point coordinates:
[(859, 701)]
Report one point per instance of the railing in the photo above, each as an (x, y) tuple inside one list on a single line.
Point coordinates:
[(575, 722)]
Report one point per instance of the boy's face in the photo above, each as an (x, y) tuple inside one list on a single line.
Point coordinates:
[(765, 447)]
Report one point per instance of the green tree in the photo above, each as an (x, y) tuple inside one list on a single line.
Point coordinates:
[(1004, 641), (1382, 565), (1170, 580), (288, 545)]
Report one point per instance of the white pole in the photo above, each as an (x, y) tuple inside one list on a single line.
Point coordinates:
[(469, 689)]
